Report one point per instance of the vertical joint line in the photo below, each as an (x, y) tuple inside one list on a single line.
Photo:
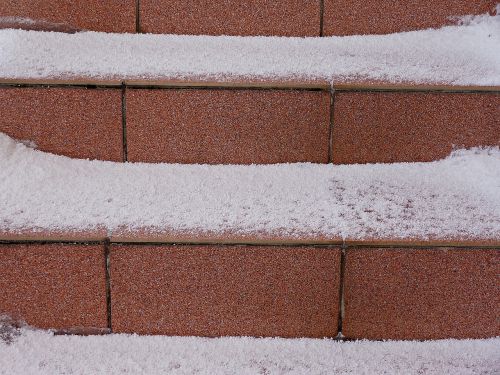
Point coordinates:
[(330, 134), (137, 16), (343, 256), (124, 123), (107, 245), (321, 15)]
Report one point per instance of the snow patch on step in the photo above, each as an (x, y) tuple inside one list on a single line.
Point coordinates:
[(465, 54), (454, 197), (39, 352)]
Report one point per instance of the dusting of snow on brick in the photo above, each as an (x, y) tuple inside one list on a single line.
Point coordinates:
[(17, 20), (39, 352), (457, 196), (466, 54)]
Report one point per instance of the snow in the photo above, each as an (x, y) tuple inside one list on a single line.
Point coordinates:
[(39, 352), (457, 196), (466, 54)]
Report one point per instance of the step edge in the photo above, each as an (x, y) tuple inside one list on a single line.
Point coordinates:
[(242, 84)]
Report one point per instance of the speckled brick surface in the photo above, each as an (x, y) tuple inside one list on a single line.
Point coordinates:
[(231, 17), (421, 294), (386, 127), (110, 15), (227, 126), (75, 122), (59, 286), (388, 16), (219, 291)]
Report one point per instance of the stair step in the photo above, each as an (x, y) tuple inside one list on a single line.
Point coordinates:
[(182, 99), (444, 57), (234, 17)]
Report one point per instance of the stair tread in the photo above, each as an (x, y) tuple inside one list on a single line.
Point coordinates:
[(445, 57), (451, 201)]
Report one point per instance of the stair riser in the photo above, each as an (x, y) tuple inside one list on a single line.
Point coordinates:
[(250, 126), (234, 17), (213, 290)]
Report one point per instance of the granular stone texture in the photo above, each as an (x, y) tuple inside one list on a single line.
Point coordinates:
[(54, 286), (225, 290), (421, 293), (62, 15), (217, 126), (37, 234), (231, 17), (356, 17), (228, 236), (388, 127), (75, 122)]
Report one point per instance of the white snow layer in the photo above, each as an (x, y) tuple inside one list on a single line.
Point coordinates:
[(38, 352), (467, 54), (457, 196)]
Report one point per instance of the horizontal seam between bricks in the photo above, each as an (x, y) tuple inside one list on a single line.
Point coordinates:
[(333, 244), (227, 88), (318, 245), (418, 90), (164, 87), (48, 241), (61, 85), (235, 244), (463, 247), (118, 85)]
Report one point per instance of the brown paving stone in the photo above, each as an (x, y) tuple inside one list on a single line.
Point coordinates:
[(231, 17), (167, 235), (69, 15), (225, 290), (75, 122), (59, 286), (354, 17), (429, 241), (386, 127), (231, 81), (38, 234), (218, 126), (421, 293)]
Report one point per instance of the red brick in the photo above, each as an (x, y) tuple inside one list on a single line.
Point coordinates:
[(110, 15), (231, 17), (227, 126), (75, 122), (385, 127), (388, 16), (219, 291), (422, 293), (55, 286)]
